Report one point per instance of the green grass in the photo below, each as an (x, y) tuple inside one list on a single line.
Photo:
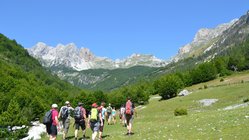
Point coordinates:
[(157, 121)]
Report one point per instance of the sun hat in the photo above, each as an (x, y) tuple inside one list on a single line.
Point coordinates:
[(80, 103), (67, 102), (54, 106)]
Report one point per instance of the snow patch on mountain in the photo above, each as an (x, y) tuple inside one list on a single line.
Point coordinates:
[(71, 56)]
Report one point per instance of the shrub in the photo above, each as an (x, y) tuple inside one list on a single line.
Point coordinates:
[(245, 100), (205, 86), (221, 80), (169, 86), (180, 112)]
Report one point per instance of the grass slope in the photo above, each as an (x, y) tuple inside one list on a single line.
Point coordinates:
[(157, 121)]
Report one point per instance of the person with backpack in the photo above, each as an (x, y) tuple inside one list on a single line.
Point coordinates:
[(109, 114), (129, 114), (80, 117), (95, 120), (102, 109), (64, 114), (51, 121)]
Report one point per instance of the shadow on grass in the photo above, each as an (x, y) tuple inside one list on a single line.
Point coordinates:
[(79, 138), (105, 136), (127, 134)]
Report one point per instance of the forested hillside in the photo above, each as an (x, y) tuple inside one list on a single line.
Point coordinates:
[(26, 89)]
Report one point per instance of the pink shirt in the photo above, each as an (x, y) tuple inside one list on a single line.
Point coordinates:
[(54, 114), (83, 111)]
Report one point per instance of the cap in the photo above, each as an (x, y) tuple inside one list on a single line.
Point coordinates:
[(94, 105), (67, 102), (80, 103), (54, 105)]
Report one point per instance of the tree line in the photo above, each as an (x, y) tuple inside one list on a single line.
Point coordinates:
[(27, 90)]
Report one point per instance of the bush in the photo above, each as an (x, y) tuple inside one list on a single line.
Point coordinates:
[(169, 86), (221, 80), (180, 112), (245, 100), (205, 86)]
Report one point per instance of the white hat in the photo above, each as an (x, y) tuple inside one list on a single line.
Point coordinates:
[(54, 105), (67, 102)]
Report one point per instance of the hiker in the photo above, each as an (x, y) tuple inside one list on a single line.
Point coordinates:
[(113, 115), (109, 114), (122, 115), (95, 120), (55, 123), (80, 118), (64, 114), (129, 115), (103, 114)]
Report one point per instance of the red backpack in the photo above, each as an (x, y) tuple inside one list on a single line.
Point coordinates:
[(128, 108)]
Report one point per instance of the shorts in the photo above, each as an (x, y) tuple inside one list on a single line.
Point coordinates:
[(79, 124), (66, 124), (101, 128), (53, 130), (129, 118), (95, 126), (48, 128)]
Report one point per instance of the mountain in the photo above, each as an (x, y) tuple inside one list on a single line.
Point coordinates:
[(70, 56), (203, 41), (80, 67), (212, 43)]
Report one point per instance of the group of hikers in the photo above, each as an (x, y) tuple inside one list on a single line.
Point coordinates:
[(95, 120)]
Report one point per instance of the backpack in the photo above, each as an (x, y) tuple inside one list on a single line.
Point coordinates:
[(94, 115), (109, 110), (78, 114), (128, 108), (47, 119), (64, 113)]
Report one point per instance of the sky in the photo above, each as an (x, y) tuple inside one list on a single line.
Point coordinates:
[(115, 28)]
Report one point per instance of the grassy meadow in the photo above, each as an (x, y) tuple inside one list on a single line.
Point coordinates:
[(156, 121)]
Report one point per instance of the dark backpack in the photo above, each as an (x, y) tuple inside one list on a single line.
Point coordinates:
[(64, 113), (78, 114), (47, 119), (128, 108)]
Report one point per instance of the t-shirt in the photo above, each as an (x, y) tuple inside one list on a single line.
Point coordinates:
[(83, 111), (103, 112), (113, 112), (122, 110), (54, 114)]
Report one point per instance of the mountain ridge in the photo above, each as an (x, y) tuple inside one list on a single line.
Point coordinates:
[(82, 58)]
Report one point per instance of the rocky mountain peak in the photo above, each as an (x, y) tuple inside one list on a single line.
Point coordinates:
[(202, 38), (71, 56)]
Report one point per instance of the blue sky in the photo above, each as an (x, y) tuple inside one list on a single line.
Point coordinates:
[(115, 28)]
